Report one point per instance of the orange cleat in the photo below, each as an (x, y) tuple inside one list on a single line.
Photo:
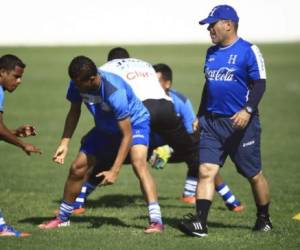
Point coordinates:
[(188, 199), (235, 207)]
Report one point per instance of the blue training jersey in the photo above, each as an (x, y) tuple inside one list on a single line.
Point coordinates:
[(229, 72), (1, 98), (184, 109), (113, 101)]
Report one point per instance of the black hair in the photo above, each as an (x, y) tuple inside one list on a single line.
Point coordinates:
[(117, 53), (82, 68), (165, 71), (9, 62)]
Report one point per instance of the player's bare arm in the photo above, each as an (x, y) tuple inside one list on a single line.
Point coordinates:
[(8, 136), (71, 122), (109, 177)]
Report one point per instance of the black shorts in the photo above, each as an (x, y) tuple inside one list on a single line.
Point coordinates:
[(165, 122)]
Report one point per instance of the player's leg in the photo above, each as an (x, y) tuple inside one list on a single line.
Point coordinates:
[(7, 230), (73, 185), (247, 159), (197, 225), (261, 193), (138, 155), (105, 148), (78, 173), (86, 189), (211, 157), (231, 202), (191, 181)]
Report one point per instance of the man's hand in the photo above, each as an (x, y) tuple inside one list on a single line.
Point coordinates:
[(60, 154), (108, 177), (25, 130), (195, 125), (28, 148), (240, 119)]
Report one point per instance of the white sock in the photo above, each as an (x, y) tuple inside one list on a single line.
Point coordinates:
[(190, 186), (154, 212)]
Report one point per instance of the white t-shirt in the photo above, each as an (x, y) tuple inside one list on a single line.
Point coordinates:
[(140, 75)]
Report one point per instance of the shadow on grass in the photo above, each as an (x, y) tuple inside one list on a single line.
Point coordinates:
[(174, 222), (122, 200), (212, 224), (95, 222)]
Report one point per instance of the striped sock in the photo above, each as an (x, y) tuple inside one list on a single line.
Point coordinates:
[(226, 194), (190, 186), (154, 212), (86, 190), (65, 211), (2, 221)]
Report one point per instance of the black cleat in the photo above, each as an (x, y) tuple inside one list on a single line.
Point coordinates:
[(263, 224), (192, 226)]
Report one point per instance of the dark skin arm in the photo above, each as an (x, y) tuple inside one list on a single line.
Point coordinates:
[(7, 135), (111, 176), (71, 122)]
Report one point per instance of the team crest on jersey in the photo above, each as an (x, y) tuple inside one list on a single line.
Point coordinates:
[(232, 59)]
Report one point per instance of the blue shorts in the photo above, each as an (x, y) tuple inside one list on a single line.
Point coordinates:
[(105, 146), (97, 142), (218, 139)]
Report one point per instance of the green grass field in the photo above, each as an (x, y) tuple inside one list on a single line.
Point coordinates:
[(31, 187)]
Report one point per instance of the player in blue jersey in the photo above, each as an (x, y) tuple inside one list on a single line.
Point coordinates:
[(228, 116), (11, 71), (184, 110), (121, 127)]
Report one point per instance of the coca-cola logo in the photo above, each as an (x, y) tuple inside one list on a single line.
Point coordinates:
[(221, 74)]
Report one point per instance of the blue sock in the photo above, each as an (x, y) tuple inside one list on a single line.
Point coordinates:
[(86, 190), (226, 194), (154, 212), (65, 211), (2, 222)]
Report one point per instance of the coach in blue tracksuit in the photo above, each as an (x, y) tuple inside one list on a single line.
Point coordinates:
[(228, 116)]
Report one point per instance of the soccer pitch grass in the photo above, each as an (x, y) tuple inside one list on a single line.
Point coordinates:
[(31, 187)]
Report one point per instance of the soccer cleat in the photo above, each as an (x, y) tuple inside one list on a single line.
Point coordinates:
[(235, 207), (54, 223), (76, 211), (154, 228), (9, 231), (263, 224), (192, 226), (188, 199)]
